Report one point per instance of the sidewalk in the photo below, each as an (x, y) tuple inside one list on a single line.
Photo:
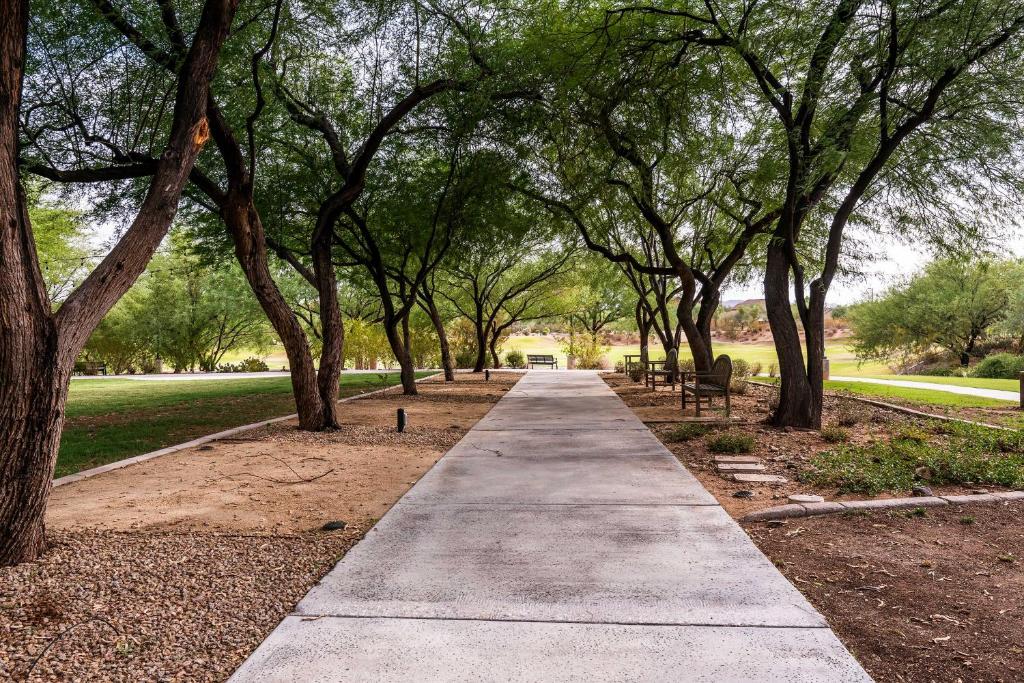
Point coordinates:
[(935, 386), (559, 540)]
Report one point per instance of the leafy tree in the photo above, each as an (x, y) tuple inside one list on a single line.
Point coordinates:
[(952, 304)]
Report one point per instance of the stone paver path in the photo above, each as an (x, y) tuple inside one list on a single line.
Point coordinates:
[(559, 540)]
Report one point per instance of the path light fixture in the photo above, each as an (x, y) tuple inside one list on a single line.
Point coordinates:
[(401, 420), (487, 375)]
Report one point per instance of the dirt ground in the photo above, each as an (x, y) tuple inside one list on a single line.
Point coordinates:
[(938, 597), (782, 452), (922, 596), (175, 569)]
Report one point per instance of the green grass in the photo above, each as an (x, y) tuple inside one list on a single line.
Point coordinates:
[(923, 396), (944, 453), (110, 420)]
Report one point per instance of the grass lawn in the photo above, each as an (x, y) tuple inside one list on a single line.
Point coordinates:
[(926, 396), (109, 420)]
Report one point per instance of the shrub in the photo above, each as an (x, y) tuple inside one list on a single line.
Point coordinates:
[(687, 432), (636, 373), (250, 364), (850, 413), (772, 369), (515, 359), (731, 443), (1000, 366), (968, 454), (740, 373), (835, 434), (755, 369)]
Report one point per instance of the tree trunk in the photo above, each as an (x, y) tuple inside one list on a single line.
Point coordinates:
[(442, 336), (481, 343), (246, 231), (402, 355), (643, 325), (796, 398), (332, 329), (38, 347), (493, 346)]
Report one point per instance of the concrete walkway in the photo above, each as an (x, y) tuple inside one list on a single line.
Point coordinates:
[(559, 540), (935, 386)]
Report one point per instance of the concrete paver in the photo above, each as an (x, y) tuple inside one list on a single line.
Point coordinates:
[(558, 541)]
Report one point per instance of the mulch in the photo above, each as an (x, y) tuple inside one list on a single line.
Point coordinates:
[(113, 606), (938, 597)]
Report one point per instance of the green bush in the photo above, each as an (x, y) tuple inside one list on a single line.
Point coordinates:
[(731, 443), (515, 359), (835, 434), (1000, 366), (966, 454), (687, 432), (250, 364)]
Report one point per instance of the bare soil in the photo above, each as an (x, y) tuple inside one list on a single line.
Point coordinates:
[(932, 598), (177, 568), (924, 595)]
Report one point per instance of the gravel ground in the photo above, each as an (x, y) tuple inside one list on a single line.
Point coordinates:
[(109, 606)]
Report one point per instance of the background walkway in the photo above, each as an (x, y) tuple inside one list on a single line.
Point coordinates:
[(935, 386), (559, 540)]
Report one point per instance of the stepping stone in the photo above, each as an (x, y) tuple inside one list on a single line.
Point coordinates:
[(738, 458), (740, 467), (760, 478), (805, 498)]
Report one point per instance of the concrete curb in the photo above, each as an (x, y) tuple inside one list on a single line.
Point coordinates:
[(828, 508), (898, 409), (85, 474)]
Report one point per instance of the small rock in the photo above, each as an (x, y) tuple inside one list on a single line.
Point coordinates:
[(336, 525), (979, 491), (805, 498), (743, 494), (921, 491), (775, 523)]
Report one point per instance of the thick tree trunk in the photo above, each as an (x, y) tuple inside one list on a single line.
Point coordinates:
[(442, 335), (332, 328), (643, 326), (709, 302), (796, 398), (493, 347), (38, 347), (246, 230)]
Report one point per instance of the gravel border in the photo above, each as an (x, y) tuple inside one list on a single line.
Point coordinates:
[(792, 510), (85, 474)]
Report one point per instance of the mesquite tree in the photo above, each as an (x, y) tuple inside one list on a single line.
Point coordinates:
[(38, 346), (874, 104)]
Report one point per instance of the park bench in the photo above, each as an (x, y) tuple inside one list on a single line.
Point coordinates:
[(88, 367), (541, 359), (707, 385), (665, 369)]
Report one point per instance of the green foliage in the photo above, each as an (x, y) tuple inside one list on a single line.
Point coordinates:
[(585, 348), (250, 364), (366, 344), (959, 454), (1000, 366), (60, 244), (952, 304), (729, 442), (687, 432), (835, 434), (515, 359)]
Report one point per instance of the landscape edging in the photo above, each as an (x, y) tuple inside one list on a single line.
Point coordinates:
[(793, 510), (118, 464)]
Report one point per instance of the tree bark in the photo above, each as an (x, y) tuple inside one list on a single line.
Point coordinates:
[(442, 335), (38, 347), (246, 229), (481, 342), (796, 398), (402, 355)]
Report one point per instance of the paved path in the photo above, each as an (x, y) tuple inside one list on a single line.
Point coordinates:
[(935, 386), (559, 540), (215, 376)]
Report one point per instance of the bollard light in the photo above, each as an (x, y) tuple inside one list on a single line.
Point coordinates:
[(401, 420), (487, 375)]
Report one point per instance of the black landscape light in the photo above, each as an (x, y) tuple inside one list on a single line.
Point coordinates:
[(401, 420)]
